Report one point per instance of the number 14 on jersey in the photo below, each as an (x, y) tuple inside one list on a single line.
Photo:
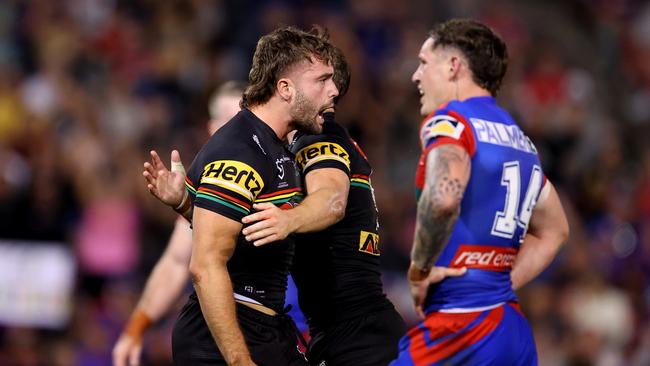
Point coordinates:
[(506, 222)]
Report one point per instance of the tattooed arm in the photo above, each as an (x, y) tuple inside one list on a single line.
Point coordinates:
[(447, 172)]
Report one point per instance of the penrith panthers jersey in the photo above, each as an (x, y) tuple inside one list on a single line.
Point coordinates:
[(337, 270), (245, 163)]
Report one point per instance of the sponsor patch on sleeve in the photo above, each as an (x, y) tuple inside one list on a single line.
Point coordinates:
[(235, 176), (369, 243), (322, 151), (441, 125)]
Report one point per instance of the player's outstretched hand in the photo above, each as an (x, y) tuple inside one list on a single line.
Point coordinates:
[(271, 224), (419, 285), (167, 186), (127, 351)]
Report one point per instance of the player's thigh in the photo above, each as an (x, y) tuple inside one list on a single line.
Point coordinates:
[(500, 336), (368, 340), (511, 343), (272, 340), (192, 342)]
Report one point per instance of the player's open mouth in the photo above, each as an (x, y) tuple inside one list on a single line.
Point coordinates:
[(319, 118)]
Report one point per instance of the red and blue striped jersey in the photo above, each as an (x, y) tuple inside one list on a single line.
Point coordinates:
[(504, 185)]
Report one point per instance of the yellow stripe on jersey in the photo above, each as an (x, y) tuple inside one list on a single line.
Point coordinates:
[(279, 197), (326, 157)]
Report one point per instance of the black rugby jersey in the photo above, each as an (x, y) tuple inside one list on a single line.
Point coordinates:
[(245, 163), (337, 270)]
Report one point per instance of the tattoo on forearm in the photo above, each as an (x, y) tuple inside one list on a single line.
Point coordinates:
[(448, 188), (439, 204)]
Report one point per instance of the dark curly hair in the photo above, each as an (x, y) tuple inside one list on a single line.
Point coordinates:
[(485, 51), (279, 50)]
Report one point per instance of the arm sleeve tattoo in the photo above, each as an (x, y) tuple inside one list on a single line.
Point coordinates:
[(447, 173)]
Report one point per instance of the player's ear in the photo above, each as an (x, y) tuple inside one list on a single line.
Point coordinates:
[(285, 89), (455, 65)]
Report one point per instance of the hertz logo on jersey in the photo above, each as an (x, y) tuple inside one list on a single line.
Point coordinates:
[(369, 243), (320, 151), (235, 176)]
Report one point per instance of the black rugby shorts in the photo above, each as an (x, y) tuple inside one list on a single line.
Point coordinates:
[(272, 340)]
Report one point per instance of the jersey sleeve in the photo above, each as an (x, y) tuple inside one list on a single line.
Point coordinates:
[(323, 151), (446, 126), (227, 182)]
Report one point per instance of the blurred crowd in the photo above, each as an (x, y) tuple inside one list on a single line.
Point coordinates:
[(88, 87)]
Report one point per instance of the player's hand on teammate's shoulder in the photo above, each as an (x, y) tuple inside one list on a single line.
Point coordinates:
[(168, 186), (270, 223), (419, 282)]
